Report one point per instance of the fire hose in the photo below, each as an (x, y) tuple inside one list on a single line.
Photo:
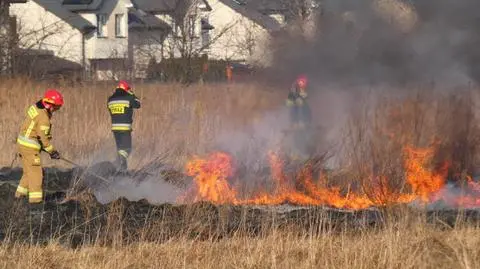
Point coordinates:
[(91, 173), (10, 167)]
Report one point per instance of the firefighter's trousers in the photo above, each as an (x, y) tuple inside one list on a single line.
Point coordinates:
[(123, 140), (31, 182)]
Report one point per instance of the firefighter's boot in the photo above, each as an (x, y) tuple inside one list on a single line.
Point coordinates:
[(121, 164)]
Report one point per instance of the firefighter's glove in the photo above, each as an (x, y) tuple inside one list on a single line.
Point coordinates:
[(54, 155)]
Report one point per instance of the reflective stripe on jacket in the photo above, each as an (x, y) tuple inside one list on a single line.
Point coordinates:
[(120, 106), (35, 131)]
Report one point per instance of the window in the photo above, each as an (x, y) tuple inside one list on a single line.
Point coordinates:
[(101, 25), (206, 28), (120, 25), (191, 25)]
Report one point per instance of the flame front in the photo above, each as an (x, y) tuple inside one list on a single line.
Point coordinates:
[(427, 185), (211, 178)]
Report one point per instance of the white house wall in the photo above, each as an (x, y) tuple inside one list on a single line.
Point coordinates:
[(109, 46), (236, 37), (170, 44), (42, 30), (145, 45)]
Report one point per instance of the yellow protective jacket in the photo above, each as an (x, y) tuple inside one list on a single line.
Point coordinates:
[(36, 129)]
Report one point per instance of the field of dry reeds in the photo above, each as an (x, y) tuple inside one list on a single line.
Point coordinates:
[(172, 117), (185, 121), (417, 246)]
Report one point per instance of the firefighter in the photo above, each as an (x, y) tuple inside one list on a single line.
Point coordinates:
[(35, 135), (300, 115), (300, 119), (121, 105)]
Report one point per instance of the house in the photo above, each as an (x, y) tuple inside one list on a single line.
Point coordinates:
[(243, 29), (110, 39), (233, 30), (56, 35), (178, 38), (96, 37)]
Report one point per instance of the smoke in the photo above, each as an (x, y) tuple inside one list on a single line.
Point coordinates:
[(382, 42), (148, 183), (452, 197), (359, 49), (153, 189), (251, 144)]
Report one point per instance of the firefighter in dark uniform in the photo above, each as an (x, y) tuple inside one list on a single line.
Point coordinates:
[(300, 119), (121, 105), (300, 114)]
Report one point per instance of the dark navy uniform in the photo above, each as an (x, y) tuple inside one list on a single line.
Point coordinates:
[(300, 114), (300, 121), (121, 105)]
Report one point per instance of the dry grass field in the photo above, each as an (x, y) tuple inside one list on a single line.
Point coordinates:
[(172, 117), (184, 121), (405, 245)]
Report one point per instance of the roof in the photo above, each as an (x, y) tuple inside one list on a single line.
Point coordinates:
[(156, 6), (164, 6), (77, 2), (69, 17), (266, 5), (82, 5), (249, 10), (138, 19)]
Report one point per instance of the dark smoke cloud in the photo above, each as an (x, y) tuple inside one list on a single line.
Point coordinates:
[(443, 46)]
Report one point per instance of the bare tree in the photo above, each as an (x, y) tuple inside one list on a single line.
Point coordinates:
[(41, 47), (190, 35)]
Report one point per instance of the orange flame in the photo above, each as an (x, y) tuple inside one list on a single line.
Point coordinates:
[(211, 178), (210, 184), (425, 184)]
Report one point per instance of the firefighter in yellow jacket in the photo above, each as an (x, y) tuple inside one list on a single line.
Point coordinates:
[(34, 137)]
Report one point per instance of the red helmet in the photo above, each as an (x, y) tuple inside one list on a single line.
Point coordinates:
[(122, 84), (52, 97), (302, 81)]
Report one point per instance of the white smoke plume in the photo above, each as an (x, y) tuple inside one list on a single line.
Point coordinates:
[(154, 189)]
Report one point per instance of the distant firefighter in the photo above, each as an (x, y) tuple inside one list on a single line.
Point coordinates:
[(300, 114), (121, 105), (35, 135)]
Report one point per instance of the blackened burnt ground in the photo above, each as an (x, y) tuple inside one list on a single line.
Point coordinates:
[(84, 220)]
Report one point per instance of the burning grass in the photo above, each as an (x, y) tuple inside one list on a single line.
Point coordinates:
[(420, 148), (386, 155), (425, 185)]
